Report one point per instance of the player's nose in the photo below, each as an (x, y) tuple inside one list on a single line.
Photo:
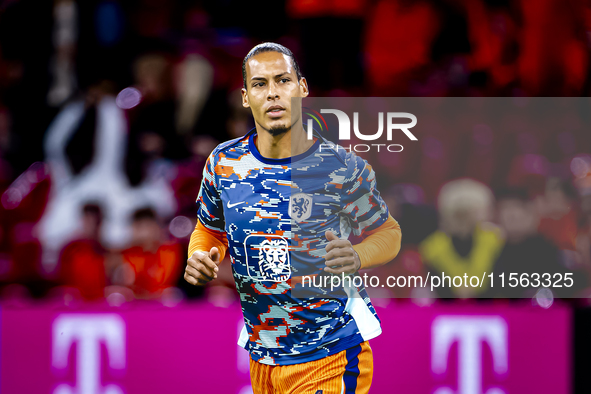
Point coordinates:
[(273, 92)]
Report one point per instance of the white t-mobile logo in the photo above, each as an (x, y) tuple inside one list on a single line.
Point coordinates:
[(470, 333), (89, 331)]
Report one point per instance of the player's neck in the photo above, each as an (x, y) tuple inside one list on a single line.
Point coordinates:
[(282, 146)]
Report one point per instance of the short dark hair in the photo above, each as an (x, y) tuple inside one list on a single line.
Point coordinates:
[(144, 213), (512, 193), (93, 209), (270, 47)]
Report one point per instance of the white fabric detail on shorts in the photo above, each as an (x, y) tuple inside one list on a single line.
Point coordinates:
[(367, 323), (243, 339)]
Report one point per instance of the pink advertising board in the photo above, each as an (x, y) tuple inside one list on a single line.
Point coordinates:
[(145, 348)]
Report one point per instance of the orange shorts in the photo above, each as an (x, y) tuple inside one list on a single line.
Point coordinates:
[(347, 372)]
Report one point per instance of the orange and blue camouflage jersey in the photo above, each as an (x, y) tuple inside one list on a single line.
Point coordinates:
[(275, 213)]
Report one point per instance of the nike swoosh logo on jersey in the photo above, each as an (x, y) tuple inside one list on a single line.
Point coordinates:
[(233, 205)]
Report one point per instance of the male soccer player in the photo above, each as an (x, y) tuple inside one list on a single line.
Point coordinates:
[(284, 206)]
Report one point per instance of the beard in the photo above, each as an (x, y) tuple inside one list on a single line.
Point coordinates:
[(281, 129), (278, 130)]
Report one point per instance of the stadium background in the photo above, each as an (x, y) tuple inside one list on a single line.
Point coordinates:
[(96, 213)]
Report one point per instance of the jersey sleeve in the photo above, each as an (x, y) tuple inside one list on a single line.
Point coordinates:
[(210, 209), (362, 203)]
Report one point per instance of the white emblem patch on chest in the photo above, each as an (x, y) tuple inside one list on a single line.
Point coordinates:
[(272, 260), (300, 207)]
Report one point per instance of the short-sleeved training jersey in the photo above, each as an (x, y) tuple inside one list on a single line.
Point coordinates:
[(275, 213)]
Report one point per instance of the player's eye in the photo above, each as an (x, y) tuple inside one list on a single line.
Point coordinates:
[(257, 84), (284, 80)]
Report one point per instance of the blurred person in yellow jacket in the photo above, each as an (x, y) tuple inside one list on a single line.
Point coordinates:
[(466, 243)]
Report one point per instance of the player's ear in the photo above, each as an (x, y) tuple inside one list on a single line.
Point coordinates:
[(245, 102), (304, 87)]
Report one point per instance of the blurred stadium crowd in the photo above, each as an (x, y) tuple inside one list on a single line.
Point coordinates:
[(109, 108)]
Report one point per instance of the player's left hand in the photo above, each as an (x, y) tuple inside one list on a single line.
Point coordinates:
[(340, 256)]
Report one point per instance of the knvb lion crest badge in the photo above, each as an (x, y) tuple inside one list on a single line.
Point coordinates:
[(274, 260), (300, 207), (267, 257)]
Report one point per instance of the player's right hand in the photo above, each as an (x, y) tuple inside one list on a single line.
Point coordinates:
[(202, 267)]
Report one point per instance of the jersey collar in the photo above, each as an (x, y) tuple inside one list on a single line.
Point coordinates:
[(253, 148)]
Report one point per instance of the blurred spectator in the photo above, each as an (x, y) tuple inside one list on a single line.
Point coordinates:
[(465, 243), (90, 170), (193, 85), (83, 261), (152, 139), (559, 214), (584, 236), (189, 172), (22, 205), (240, 120), (152, 264), (525, 251), (406, 203), (85, 152)]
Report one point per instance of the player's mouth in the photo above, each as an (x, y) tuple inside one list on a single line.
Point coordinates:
[(275, 111)]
